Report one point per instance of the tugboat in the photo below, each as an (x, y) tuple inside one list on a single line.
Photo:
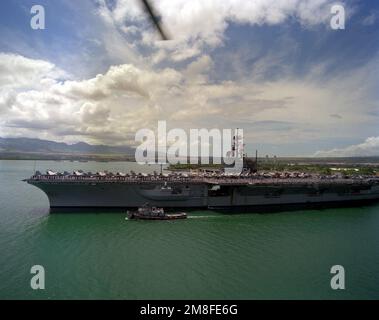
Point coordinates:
[(147, 212)]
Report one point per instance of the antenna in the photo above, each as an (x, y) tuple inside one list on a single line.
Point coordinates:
[(256, 160), (237, 144)]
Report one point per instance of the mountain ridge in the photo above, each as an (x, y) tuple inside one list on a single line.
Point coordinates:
[(33, 145)]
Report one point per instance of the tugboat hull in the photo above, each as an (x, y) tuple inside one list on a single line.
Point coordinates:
[(173, 216)]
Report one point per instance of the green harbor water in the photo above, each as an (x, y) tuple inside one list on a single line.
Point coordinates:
[(208, 256)]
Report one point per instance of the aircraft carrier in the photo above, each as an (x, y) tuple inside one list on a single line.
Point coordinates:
[(224, 189), (248, 191)]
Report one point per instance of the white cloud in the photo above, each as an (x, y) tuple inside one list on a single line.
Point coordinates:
[(370, 19), (370, 147), (110, 107), (198, 24), (17, 72), (38, 99)]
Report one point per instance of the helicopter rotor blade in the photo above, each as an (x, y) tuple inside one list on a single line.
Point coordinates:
[(154, 18)]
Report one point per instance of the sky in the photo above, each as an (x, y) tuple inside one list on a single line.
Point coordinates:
[(99, 72)]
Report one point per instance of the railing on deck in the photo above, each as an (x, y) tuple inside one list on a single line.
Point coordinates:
[(222, 180)]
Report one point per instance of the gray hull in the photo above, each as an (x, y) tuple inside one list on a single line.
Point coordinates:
[(199, 195)]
